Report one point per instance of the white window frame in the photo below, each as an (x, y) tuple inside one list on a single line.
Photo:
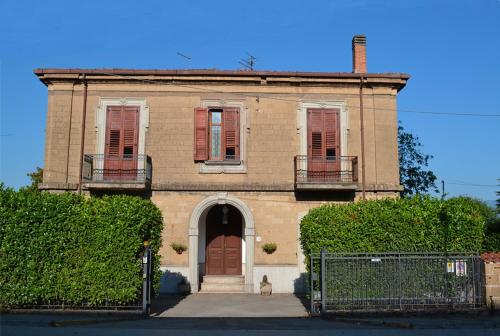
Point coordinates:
[(100, 125), (220, 167), (304, 105)]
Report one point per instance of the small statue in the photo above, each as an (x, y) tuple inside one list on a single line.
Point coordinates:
[(266, 288)]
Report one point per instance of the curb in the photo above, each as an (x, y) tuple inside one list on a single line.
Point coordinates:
[(382, 323), (68, 323), (101, 312)]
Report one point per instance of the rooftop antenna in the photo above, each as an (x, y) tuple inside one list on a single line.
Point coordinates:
[(248, 63), (184, 56)]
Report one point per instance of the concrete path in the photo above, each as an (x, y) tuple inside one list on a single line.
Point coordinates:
[(230, 305)]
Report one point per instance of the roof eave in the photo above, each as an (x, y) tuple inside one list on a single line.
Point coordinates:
[(44, 74)]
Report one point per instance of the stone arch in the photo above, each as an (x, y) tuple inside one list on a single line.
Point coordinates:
[(249, 235)]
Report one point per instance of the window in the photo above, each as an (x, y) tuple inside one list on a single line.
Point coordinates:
[(214, 132), (323, 133), (121, 131), (323, 144), (217, 134), (120, 151)]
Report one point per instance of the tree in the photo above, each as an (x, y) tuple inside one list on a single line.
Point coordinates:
[(412, 165), (36, 178)]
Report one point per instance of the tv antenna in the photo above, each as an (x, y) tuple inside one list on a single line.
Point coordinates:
[(248, 63), (184, 56)]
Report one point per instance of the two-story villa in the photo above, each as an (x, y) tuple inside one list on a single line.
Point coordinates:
[(233, 159)]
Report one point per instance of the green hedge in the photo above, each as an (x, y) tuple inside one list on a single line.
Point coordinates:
[(491, 241), (67, 249), (416, 224)]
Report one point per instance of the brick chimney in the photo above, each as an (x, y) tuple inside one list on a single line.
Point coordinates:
[(359, 54)]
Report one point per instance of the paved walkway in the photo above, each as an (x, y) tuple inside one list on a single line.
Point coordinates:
[(230, 305)]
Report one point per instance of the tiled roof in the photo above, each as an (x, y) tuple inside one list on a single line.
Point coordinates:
[(491, 257)]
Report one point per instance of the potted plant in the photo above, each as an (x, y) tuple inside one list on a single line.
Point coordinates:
[(178, 247), (269, 248)]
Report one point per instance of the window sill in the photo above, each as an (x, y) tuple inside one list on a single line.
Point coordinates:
[(223, 163), (223, 167)]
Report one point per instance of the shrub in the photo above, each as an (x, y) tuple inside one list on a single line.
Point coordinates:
[(69, 249), (418, 224), (492, 235), (492, 227)]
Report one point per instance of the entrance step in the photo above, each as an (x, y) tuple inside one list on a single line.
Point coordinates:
[(223, 284)]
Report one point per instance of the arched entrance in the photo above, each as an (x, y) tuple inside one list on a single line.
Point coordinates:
[(217, 260), (223, 241)]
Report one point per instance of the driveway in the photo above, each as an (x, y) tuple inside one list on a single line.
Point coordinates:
[(230, 305)]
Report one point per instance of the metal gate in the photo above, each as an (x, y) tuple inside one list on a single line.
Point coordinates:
[(395, 281)]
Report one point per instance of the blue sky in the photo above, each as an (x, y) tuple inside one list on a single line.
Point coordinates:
[(451, 48)]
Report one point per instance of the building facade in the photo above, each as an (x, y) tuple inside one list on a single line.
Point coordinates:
[(234, 159)]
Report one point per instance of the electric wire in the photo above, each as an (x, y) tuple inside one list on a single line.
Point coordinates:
[(472, 184), (266, 96)]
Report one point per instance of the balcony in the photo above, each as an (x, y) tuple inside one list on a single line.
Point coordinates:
[(327, 173), (116, 173)]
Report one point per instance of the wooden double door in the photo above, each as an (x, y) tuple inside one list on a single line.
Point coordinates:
[(223, 241)]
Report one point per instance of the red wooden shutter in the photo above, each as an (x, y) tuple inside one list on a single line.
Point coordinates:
[(231, 133), (332, 143), (315, 134), (114, 131), (315, 145), (200, 134), (130, 127), (120, 161)]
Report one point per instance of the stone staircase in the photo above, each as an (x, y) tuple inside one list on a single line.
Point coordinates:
[(223, 284)]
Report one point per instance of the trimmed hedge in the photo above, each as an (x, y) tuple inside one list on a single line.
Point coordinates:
[(491, 241), (418, 224), (71, 250)]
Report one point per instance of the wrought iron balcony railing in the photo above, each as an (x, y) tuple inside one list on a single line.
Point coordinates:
[(113, 169), (325, 170)]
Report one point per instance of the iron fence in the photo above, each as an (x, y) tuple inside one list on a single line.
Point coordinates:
[(395, 281), (330, 169), (109, 169)]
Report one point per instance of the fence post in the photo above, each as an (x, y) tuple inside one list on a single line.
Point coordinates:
[(400, 284), (311, 282), (323, 281), (481, 282), (150, 268), (478, 281), (146, 279), (448, 278)]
